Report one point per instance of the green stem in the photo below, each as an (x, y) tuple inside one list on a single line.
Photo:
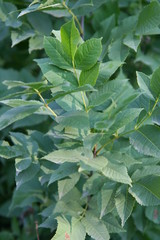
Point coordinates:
[(74, 16), (45, 104)]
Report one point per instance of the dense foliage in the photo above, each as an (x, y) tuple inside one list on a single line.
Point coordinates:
[(80, 119)]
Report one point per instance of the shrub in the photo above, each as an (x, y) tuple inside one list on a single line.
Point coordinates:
[(85, 134)]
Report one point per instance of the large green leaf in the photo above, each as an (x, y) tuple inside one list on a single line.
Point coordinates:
[(55, 75), (132, 41), (75, 119), (147, 191), (88, 53), (146, 171), (89, 76), (55, 51), (70, 38), (107, 69), (62, 156), (78, 230), (149, 18), (118, 51), (95, 227), (63, 229), (105, 92), (117, 172), (124, 204), (155, 82), (104, 197), (10, 151), (64, 186), (15, 114), (27, 174), (63, 171), (125, 117), (146, 140)]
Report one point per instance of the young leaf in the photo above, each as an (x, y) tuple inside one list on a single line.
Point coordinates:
[(55, 51), (88, 53), (89, 76), (70, 38)]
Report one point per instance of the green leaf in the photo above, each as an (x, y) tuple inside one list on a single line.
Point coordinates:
[(117, 173), (124, 204), (95, 227), (55, 75), (117, 50), (64, 186), (15, 114), (35, 43), (144, 84), (70, 38), (125, 117), (75, 119), (28, 193), (20, 102), (107, 69), (63, 171), (104, 197), (132, 41), (89, 76), (106, 91), (22, 163), (63, 229), (147, 191), (10, 151), (88, 53), (146, 171), (21, 34), (62, 156), (149, 18), (78, 230), (94, 164), (155, 82), (27, 174), (112, 224), (152, 213), (146, 140), (55, 51)]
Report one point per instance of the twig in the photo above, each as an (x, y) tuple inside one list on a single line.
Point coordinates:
[(74, 16), (37, 233), (45, 104)]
